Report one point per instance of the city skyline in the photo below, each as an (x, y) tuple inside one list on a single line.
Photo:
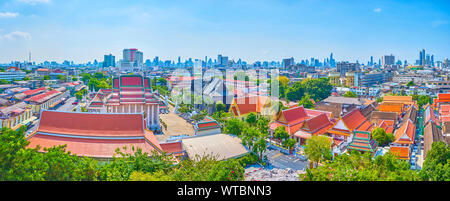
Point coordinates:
[(250, 30)]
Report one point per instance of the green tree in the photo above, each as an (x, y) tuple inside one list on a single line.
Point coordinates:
[(383, 138), (410, 83), (5, 82), (318, 148), (319, 89), (281, 134), (350, 94), (234, 126), (46, 77), (437, 163), (251, 118), (362, 167), (295, 92), (306, 102), (220, 107)]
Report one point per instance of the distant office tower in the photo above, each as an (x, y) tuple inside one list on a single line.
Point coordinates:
[(332, 61), (132, 59), (422, 57), (109, 60), (288, 62), (219, 59), (371, 61), (224, 61), (388, 60), (432, 60), (344, 67)]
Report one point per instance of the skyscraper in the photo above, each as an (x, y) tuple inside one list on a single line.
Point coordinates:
[(109, 60), (388, 60), (132, 58), (422, 57), (288, 62)]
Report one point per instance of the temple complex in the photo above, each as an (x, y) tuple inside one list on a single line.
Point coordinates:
[(93, 135), (133, 94)]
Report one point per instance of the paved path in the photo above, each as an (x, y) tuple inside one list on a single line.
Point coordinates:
[(175, 126), (282, 161), (68, 105)]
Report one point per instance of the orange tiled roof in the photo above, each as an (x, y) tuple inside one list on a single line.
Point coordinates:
[(390, 108), (397, 98), (408, 129), (387, 125), (401, 152), (355, 120)]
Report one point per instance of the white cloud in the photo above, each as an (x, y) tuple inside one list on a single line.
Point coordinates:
[(34, 2), (8, 14), (16, 35), (377, 10), (438, 23)]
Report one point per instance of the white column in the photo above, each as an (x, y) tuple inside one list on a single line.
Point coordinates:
[(148, 115), (157, 115), (152, 116)]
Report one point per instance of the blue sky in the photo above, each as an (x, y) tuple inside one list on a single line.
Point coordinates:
[(84, 30)]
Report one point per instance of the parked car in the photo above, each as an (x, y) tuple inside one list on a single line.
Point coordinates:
[(74, 103)]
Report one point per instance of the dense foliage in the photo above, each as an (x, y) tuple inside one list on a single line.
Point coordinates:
[(18, 163), (437, 163), (318, 149), (383, 138), (362, 167), (350, 94)]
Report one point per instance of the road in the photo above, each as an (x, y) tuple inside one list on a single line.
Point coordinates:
[(282, 161), (68, 105)]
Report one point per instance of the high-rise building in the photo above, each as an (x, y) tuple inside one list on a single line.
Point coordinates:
[(109, 60), (132, 59), (288, 62), (332, 61), (422, 57), (344, 67), (388, 60)]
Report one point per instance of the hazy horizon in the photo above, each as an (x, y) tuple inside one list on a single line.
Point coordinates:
[(265, 30)]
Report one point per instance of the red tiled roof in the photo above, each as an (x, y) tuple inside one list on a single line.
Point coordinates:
[(116, 83), (87, 124), (34, 91), (444, 119), (317, 123), (356, 121), (172, 148), (204, 125), (100, 148), (147, 83), (314, 113), (43, 97), (249, 104), (294, 115), (131, 81)]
